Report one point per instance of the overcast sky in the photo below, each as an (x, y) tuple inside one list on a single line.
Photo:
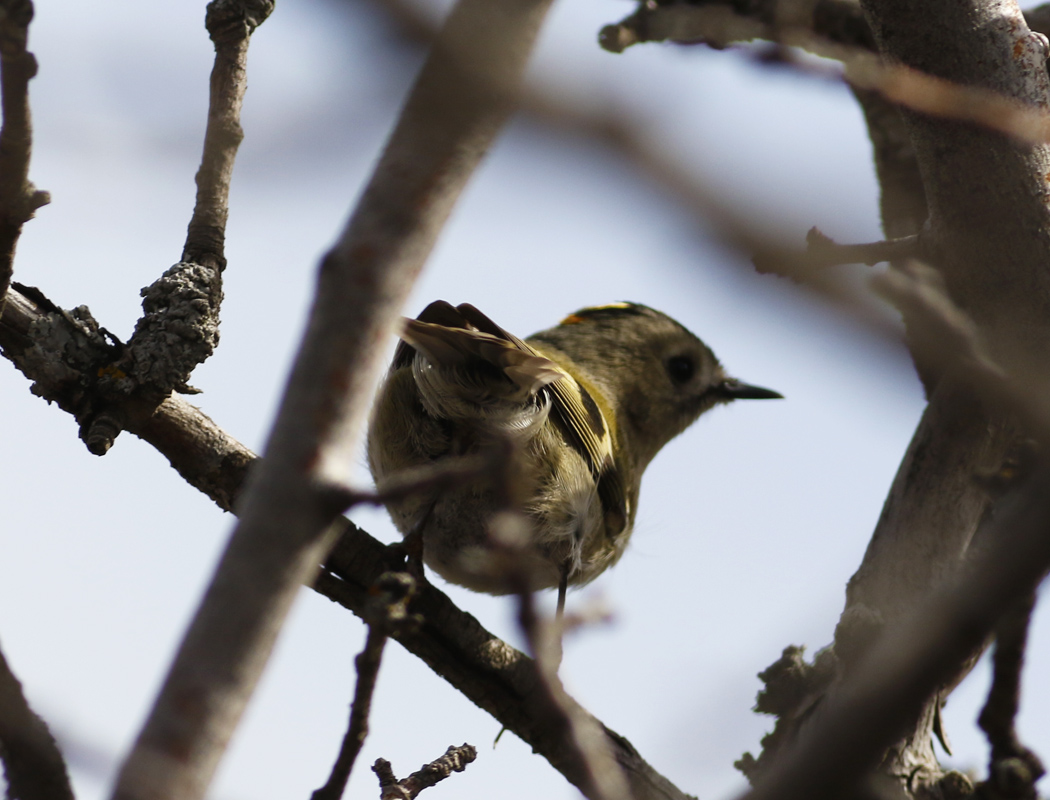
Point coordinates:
[(749, 526)]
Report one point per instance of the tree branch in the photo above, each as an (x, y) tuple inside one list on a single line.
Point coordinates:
[(894, 670), (230, 24), (1013, 769), (33, 766), (887, 692), (992, 259), (490, 673), (455, 759), (723, 22), (391, 595), (823, 252), (19, 199)]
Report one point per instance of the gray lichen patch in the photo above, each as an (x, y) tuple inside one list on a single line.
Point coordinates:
[(180, 326)]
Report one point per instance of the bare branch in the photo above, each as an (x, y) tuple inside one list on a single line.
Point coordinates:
[(33, 765), (230, 24), (455, 759), (1013, 769), (52, 347), (391, 595), (19, 199), (985, 195), (889, 682), (720, 24), (63, 354), (823, 252)]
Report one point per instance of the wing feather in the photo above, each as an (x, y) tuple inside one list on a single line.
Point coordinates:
[(452, 335)]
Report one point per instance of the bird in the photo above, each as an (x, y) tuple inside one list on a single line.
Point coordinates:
[(585, 406)]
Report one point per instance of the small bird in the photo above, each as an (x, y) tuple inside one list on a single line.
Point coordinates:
[(586, 404)]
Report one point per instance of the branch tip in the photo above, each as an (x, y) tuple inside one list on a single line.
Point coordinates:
[(228, 20), (455, 759)]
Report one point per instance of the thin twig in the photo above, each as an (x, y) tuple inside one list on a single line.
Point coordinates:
[(19, 199), (455, 759), (33, 766), (823, 252), (446, 474), (1013, 769), (720, 25), (230, 24), (391, 595), (367, 663)]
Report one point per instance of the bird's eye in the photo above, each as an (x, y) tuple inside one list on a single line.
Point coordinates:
[(681, 369)]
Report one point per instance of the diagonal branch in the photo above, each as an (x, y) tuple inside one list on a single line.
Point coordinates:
[(719, 25), (33, 766), (490, 673), (887, 692)]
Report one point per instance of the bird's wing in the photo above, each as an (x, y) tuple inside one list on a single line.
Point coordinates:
[(581, 422), (453, 336), (439, 313)]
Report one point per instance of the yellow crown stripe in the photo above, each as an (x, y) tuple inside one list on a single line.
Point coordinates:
[(576, 317)]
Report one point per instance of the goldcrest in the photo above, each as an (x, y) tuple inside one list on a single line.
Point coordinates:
[(587, 404)]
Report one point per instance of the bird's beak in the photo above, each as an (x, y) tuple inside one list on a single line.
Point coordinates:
[(732, 389)]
